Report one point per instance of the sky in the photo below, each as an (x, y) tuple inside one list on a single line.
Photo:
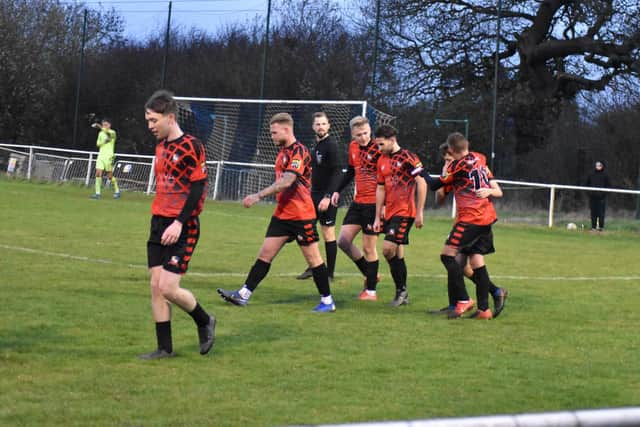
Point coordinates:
[(147, 17)]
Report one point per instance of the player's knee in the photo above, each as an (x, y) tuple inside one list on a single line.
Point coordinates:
[(389, 252), (449, 262), (167, 291), (370, 253), (344, 243), (155, 288)]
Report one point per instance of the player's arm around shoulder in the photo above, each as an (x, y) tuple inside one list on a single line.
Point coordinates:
[(494, 190), (421, 194)]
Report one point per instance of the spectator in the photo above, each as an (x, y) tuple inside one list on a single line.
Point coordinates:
[(598, 199)]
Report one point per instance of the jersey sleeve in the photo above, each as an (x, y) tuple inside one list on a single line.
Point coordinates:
[(455, 167), (379, 176), (297, 162), (415, 165), (198, 160)]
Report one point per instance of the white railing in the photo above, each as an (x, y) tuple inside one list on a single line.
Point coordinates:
[(227, 180), (618, 417)]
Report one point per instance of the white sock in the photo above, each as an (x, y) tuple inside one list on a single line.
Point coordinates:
[(326, 300), (370, 292), (245, 292)]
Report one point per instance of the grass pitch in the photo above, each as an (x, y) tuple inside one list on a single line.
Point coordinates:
[(75, 314)]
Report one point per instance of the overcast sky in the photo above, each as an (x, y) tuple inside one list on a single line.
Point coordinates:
[(146, 17)]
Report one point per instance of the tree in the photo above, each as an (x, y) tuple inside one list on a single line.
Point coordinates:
[(551, 51), (39, 49)]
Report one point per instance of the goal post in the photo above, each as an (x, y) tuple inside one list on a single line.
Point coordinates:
[(236, 135)]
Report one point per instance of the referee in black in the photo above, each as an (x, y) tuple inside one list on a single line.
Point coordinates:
[(326, 174)]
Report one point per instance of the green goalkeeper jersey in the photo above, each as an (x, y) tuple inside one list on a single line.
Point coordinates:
[(106, 142)]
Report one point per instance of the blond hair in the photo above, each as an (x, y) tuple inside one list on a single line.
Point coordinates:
[(358, 121), (282, 119)]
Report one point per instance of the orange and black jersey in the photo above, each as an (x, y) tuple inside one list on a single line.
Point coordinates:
[(178, 163), (467, 175), (363, 165), (295, 203), (397, 172)]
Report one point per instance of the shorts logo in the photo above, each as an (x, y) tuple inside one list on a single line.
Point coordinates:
[(175, 260), (392, 232), (295, 164), (300, 238)]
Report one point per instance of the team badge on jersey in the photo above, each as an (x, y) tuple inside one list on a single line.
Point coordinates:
[(295, 164)]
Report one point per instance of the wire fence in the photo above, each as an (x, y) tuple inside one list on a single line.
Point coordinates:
[(535, 203)]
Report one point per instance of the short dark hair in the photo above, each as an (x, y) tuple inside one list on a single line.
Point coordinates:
[(320, 114), (443, 149), (162, 102), (386, 131), (457, 142)]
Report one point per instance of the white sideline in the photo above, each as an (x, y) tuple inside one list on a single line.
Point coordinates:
[(614, 417), (243, 274)]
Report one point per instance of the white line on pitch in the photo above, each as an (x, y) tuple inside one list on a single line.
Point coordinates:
[(236, 274)]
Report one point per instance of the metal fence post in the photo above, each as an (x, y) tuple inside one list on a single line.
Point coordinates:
[(552, 202), (216, 184), (151, 175), (86, 180), (30, 163)]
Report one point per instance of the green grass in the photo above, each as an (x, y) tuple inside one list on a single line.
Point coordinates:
[(74, 315)]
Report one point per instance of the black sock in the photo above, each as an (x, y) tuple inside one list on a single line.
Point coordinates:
[(362, 265), (199, 316), (482, 281), (492, 287), (257, 273), (399, 273), (163, 335), (372, 275), (321, 279), (455, 278), (331, 248)]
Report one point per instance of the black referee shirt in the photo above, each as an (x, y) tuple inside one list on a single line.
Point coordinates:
[(326, 171)]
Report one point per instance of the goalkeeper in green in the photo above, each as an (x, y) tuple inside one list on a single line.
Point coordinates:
[(106, 144)]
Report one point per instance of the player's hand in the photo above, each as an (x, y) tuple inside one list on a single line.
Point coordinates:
[(172, 233), (324, 204), (419, 221), (382, 213), (377, 225), (483, 193), (95, 125), (250, 200), (335, 198)]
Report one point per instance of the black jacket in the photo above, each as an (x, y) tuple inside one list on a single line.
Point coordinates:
[(599, 178)]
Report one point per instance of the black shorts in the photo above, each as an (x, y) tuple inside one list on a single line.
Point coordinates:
[(328, 217), (471, 239), (363, 215), (396, 229), (303, 232), (174, 258)]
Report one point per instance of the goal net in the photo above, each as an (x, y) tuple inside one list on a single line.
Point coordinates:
[(237, 138)]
